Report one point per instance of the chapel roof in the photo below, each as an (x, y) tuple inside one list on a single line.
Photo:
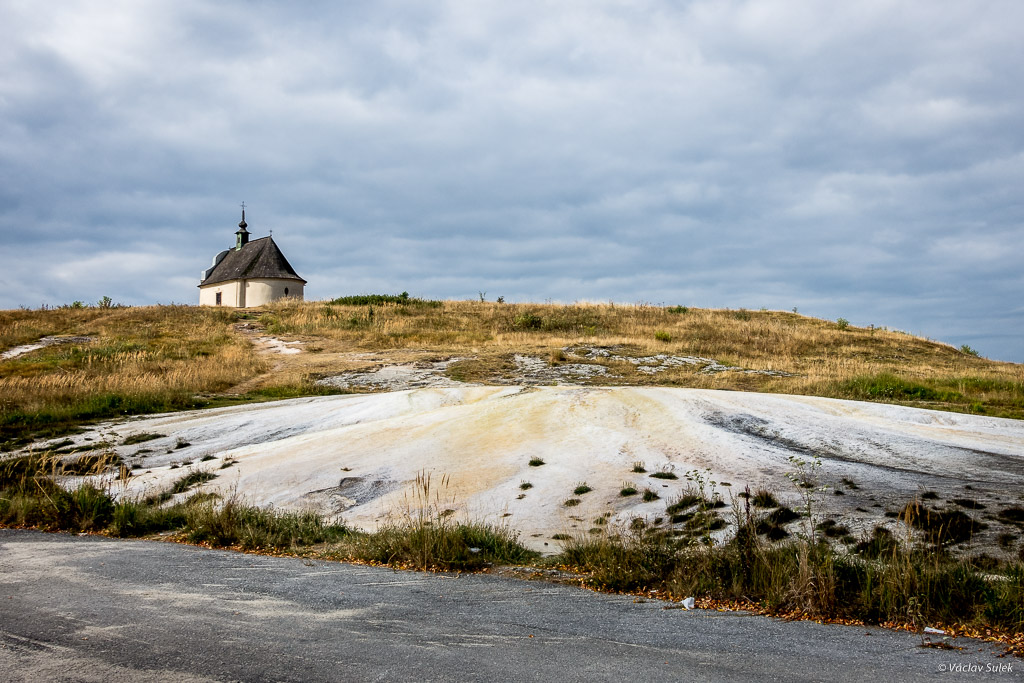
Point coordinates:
[(260, 258)]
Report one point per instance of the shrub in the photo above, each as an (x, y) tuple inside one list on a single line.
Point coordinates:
[(536, 462), (233, 523), (377, 299), (842, 323), (581, 488), (132, 518), (1012, 515), (663, 336), (438, 542), (968, 351), (684, 502), (622, 563), (140, 438), (527, 321), (191, 479), (940, 527), (90, 509)]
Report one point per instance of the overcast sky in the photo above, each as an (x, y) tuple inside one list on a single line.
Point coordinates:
[(862, 160)]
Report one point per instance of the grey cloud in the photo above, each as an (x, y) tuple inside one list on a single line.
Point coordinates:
[(861, 161)]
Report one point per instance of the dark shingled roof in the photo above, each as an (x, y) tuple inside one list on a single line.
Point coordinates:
[(259, 258)]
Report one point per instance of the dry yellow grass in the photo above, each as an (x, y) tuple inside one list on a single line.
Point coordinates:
[(822, 357), (138, 360), (161, 358)]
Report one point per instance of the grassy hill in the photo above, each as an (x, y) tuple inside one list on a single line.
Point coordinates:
[(150, 359)]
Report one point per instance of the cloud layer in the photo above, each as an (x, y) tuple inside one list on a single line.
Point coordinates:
[(863, 161)]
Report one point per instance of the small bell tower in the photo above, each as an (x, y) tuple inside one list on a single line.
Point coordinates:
[(242, 235)]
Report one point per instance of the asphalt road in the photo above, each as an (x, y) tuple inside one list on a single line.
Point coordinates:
[(95, 609)]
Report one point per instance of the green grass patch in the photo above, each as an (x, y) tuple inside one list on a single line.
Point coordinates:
[(889, 387), (377, 299)]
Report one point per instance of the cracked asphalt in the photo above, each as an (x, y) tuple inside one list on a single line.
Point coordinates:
[(84, 608)]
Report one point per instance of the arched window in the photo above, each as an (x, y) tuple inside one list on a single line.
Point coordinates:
[(286, 291)]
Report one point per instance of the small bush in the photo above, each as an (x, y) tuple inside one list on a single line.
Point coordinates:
[(141, 438), (132, 518), (377, 299), (90, 508), (968, 351), (881, 543), (832, 529), (662, 336), (678, 310), (235, 524), (191, 479), (536, 462), (1006, 539), (763, 498), (527, 321), (581, 488), (783, 515), (940, 527), (684, 502), (842, 323), (1012, 515)]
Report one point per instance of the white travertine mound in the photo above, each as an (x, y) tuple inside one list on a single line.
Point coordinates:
[(355, 456)]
